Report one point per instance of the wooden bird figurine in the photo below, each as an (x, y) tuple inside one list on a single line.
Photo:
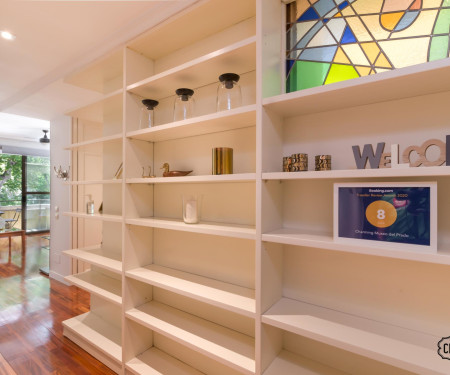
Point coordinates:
[(168, 173)]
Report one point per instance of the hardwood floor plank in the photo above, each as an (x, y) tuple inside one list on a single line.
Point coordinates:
[(32, 308), (5, 368)]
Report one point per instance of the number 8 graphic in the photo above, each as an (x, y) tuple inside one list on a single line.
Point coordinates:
[(381, 214)]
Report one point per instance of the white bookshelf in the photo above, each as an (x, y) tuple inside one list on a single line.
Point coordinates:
[(292, 236), (236, 118), (95, 110), (217, 293), (103, 75), (95, 216), (417, 80), (98, 284), (223, 344), (92, 332), (215, 229), (96, 182), (110, 138), (238, 177), (98, 256), (154, 362), (238, 57), (360, 173), (411, 350), (288, 363), (258, 286)]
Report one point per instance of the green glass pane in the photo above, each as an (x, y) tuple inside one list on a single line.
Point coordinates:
[(306, 74), (443, 22), (446, 3), (438, 48), (341, 73)]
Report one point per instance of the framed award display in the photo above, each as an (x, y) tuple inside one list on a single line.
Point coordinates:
[(395, 215)]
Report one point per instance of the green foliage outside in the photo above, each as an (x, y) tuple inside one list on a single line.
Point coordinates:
[(38, 173), (38, 177), (10, 179)]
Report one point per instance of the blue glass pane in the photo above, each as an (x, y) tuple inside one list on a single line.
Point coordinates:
[(309, 15), (348, 36)]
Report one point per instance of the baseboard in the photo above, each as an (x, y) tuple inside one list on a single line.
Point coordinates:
[(58, 277)]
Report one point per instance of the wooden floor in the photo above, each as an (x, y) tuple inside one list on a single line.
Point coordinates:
[(32, 308)]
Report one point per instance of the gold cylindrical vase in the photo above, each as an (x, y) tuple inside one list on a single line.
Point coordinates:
[(222, 160)]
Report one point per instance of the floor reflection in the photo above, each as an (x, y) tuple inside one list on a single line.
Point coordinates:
[(32, 307)]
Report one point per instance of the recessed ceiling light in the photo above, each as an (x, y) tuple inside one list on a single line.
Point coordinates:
[(7, 35)]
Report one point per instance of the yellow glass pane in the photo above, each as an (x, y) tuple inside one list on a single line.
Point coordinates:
[(340, 57), (367, 6), (363, 70), (382, 62), (373, 25), (337, 15), (431, 3), (423, 25), (406, 52), (355, 54), (358, 29), (371, 50), (348, 11), (390, 20)]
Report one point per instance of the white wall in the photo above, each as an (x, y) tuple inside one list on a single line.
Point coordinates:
[(60, 265)]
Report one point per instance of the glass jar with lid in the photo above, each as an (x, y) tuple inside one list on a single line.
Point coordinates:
[(147, 117), (228, 92), (183, 105)]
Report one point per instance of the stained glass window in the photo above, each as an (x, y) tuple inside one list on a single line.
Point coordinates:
[(335, 40)]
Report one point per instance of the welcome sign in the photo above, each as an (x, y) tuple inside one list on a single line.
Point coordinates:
[(396, 215)]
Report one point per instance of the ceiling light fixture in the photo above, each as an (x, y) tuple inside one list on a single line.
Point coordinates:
[(44, 139), (7, 35)]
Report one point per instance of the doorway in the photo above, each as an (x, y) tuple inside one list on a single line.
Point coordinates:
[(25, 198)]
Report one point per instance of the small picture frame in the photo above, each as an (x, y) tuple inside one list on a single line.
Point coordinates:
[(389, 215)]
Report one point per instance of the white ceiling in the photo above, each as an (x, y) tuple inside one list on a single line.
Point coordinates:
[(20, 135), (55, 38)]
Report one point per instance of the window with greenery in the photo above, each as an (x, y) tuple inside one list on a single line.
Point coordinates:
[(10, 180)]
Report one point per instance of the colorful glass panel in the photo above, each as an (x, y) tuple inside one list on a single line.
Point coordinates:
[(335, 40)]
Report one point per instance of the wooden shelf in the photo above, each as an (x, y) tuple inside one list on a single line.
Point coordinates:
[(109, 138), (98, 284), (227, 346), (99, 257), (227, 296), (237, 118), (215, 229), (95, 110), (410, 350), (397, 84), (238, 58), (359, 173), (94, 330), (99, 75), (97, 216), (289, 236), (288, 363), (155, 362), (153, 44), (238, 177), (94, 182)]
